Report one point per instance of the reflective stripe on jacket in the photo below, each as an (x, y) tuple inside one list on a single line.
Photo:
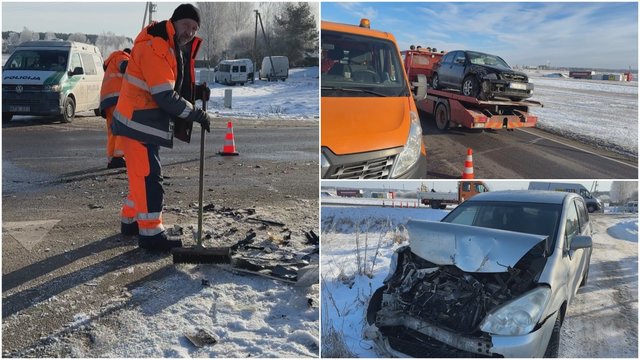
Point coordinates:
[(150, 99), (112, 80)]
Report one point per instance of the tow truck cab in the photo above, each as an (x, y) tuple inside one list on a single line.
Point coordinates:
[(370, 125)]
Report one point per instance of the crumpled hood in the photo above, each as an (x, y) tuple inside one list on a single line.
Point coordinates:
[(31, 77), (469, 248)]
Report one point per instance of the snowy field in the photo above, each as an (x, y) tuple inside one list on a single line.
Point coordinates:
[(602, 113), (293, 99), (602, 321)]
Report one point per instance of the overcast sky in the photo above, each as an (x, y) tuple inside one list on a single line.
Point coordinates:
[(599, 35)]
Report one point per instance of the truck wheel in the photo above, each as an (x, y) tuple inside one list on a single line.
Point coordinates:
[(68, 110), (6, 117), (470, 86), (554, 341), (442, 117), (435, 204), (435, 81), (591, 208)]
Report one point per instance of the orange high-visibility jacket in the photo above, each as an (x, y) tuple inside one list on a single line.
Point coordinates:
[(114, 68), (149, 102)]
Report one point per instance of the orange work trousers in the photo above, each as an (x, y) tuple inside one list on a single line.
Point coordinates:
[(114, 145), (146, 195)]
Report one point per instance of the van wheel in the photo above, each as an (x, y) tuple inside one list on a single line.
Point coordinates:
[(554, 341), (591, 208), (68, 110), (442, 117), (585, 277), (6, 117)]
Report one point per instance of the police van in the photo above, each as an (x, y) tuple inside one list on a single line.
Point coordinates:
[(46, 77), (230, 72)]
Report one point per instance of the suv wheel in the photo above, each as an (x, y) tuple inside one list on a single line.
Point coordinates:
[(470, 86)]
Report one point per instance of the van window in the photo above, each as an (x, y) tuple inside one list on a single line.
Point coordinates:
[(75, 61), (353, 62), (235, 68), (583, 215), (89, 65), (572, 226), (47, 60), (243, 68)]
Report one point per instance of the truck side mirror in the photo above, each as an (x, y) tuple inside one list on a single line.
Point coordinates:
[(581, 242)]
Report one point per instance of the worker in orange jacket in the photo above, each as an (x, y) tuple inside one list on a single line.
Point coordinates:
[(114, 69), (156, 102)]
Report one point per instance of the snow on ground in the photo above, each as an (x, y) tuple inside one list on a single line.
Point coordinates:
[(603, 113), (602, 321), (297, 98), (250, 317)]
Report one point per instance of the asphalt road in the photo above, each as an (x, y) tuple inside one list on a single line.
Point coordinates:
[(60, 213), (519, 154)]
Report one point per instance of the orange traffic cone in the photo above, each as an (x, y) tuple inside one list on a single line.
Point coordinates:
[(229, 148), (468, 165)]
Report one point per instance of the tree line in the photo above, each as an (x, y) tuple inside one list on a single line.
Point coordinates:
[(228, 30)]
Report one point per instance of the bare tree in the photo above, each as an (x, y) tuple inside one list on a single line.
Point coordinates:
[(79, 37), (110, 42), (50, 36), (212, 22), (27, 35), (240, 14), (623, 191)]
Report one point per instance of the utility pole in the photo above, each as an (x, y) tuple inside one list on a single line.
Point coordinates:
[(149, 8), (255, 52)]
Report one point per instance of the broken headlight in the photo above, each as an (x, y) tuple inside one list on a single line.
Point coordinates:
[(517, 317)]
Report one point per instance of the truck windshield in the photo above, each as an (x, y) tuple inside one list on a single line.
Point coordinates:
[(530, 218), (358, 62), (41, 60)]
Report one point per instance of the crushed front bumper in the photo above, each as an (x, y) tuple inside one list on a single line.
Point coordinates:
[(533, 344)]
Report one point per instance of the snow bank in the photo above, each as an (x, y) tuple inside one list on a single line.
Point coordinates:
[(297, 98), (602, 113)]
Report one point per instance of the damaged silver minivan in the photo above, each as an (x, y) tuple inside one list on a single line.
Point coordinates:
[(493, 278)]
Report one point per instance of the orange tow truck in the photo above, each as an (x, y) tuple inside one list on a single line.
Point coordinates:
[(451, 109), (370, 125), (465, 191)]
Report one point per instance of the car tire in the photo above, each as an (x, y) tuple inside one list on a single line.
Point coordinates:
[(591, 208), (554, 342), (435, 81), (97, 112), (585, 277), (68, 110), (6, 117), (470, 86), (441, 117), (375, 303)]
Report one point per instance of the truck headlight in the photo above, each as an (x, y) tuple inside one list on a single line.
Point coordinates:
[(324, 164), (411, 152), (519, 316)]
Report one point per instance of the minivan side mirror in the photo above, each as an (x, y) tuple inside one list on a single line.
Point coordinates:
[(581, 242), (77, 71)]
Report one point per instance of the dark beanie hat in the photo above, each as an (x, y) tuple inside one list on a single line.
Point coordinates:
[(186, 11)]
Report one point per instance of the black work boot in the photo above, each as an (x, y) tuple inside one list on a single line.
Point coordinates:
[(129, 229), (158, 243), (116, 162)]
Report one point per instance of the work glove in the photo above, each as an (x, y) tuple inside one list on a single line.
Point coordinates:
[(201, 91), (202, 117)]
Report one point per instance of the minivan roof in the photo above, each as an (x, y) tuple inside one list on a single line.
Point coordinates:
[(58, 44)]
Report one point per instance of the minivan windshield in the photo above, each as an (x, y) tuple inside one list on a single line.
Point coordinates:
[(530, 218), (356, 66), (486, 59), (41, 60)]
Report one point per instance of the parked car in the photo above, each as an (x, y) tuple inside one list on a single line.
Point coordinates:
[(493, 278), (480, 75), (231, 72), (631, 207), (274, 68)]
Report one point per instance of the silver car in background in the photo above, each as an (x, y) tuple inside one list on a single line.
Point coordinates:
[(493, 278)]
